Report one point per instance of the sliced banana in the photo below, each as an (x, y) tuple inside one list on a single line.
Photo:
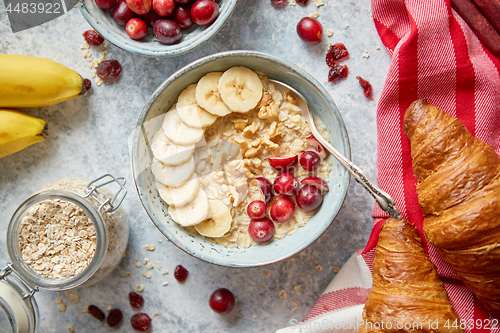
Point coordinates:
[(177, 131), (219, 222), (179, 195), (208, 96), (240, 88), (168, 152), (172, 175), (190, 112), (193, 213)]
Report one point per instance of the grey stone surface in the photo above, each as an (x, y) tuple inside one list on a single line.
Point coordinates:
[(90, 136)]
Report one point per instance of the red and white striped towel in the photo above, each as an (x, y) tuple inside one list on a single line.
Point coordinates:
[(436, 56)]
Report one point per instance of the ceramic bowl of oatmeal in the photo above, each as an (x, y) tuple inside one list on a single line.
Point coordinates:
[(208, 137)]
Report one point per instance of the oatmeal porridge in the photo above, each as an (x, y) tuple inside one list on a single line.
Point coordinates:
[(217, 144)]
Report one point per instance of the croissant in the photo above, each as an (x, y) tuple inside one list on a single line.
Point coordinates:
[(407, 294), (458, 188)]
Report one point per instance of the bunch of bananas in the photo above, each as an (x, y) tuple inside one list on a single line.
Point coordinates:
[(26, 82)]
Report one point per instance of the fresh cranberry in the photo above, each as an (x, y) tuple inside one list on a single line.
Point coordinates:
[(167, 31), (281, 164), (96, 312), (115, 317), (309, 198), (180, 273), (261, 230), (140, 7), (285, 184), (367, 87), (310, 30), (310, 160), (105, 4), (150, 18), (256, 209), (87, 84), (302, 2), (266, 188), (164, 7), (278, 3), (109, 69), (337, 73), (336, 52), (222, 301), (282, 209), (136, 28), (183, 2), (316, 181), (318, 147), (123, 13), (182, 15), (140, 322), (93, 37), (204, 12), (136, 300)]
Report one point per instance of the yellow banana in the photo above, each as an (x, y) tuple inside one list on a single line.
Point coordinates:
[(27, 81), (19, 130)]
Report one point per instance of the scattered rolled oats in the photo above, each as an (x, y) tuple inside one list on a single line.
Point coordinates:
[(157, 263), (346, 26), (267, 274), (282, 293), (297, 288), (336, 269), (85, 45), (146, 260), (61, 307), (98, 81), (378, 48), (319, 267), (139, 288), (149, 266), (165, 283), (137, 263), (71, 329), (315, 15), (164, 272), (292, 2), (319, 3), (85, 308), (295, 306), (260, 327), (329, 32), (149, 247), (293, 259), (254, 317), (73, 298), (156, 314), (147, 274)]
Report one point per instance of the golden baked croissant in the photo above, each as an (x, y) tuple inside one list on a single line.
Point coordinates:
[(459, 192), (407, 293)]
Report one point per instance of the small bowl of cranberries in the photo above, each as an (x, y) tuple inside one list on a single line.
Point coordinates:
[(296, 189), (157, 28)]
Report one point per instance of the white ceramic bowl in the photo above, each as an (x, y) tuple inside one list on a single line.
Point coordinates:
[(321, 104), (102, 21)]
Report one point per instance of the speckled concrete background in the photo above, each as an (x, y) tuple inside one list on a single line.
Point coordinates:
[(91, 136)]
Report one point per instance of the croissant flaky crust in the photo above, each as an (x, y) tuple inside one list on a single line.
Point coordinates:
[(459, 192), (407, 294)]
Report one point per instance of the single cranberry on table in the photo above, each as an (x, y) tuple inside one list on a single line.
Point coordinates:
[(309, 198), (266, 188), (284, 163), (164, 7), (204, 12), (285, 184), (222, 301), (109, 69), (93, 37), (115, 317), (167, 31), (336, 52), (182, 15), (136, 300), (310, 160), (140, 7), (337, 73), (310, 30), (316, 181), (257, 209), (282, 209), (141, 322), (136, 28), (105, 4), (367, 87), (122, 13), (180, 273), (318, 147), (96, 312), (150, 18), (261, 230)]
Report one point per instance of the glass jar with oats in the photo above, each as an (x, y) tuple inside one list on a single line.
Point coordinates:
[(71, 232)]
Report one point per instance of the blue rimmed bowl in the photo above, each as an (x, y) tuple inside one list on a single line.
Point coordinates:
[(102, 21), (321, 105)]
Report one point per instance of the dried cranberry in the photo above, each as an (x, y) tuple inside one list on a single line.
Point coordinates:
[(115, 317), (180, 273), (367, 87), (302, 2), (93, 38), (136, 300), (87, 84), (336, 53), (109, 69), (140, 322), (96, 312), (338, 72)]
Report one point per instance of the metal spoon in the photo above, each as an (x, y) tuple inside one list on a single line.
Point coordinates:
[(383, 199)]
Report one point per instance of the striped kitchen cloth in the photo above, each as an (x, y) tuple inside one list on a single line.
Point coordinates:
[(435, 55)]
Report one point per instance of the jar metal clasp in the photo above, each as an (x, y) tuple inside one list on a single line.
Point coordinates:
[(11, 270), (108, 205)]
